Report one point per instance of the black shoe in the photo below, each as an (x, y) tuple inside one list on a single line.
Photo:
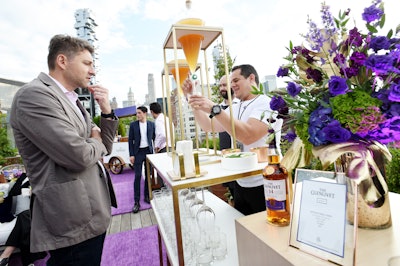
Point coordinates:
[(146, 199), (136, 207), (4, 261)]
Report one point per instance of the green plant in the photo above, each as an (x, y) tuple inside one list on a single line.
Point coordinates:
[(219, 73), (210, 144), (393, 171), (6, 149)]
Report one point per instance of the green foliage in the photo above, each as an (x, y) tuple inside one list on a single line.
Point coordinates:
[(210, 144), (6, 150), (215, 97), (350, 109), (393, 171), (96, 120), (122, 125)]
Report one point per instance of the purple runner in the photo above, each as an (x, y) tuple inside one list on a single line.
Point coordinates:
[(135, 247), (123, 186)]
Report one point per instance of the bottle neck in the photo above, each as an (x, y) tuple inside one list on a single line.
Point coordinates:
[(273, 156), (273, 159)]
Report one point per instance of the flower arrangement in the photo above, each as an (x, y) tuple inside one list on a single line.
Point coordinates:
[(346, 85), (342, 94)]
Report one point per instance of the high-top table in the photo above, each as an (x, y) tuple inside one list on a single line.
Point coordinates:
[(215, 174)]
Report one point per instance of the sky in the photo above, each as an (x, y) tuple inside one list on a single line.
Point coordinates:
[(131, 34)]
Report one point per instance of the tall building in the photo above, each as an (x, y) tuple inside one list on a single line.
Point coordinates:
[(151, 96), (85, 29), (131, 99), (270, 83)]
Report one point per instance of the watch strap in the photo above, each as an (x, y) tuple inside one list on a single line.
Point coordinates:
[(110, 115)]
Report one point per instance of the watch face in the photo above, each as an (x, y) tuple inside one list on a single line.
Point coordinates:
[(216, 109)]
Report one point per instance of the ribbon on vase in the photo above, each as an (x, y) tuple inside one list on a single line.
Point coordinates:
[(362, 168)]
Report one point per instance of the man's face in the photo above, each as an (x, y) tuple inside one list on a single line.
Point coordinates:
[(240, 85), (79, 70), (223, 89), (141, 116)]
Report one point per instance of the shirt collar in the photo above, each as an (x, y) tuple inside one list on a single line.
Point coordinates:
[(71, 95)]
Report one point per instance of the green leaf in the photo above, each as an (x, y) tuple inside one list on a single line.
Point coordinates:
[(390, 34), (382, 21), (371, 28), (344, 22)]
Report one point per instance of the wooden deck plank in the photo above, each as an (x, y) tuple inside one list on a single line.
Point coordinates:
[(135, 220), (152, 217), (145, 218), (115, 226), (125, 222)]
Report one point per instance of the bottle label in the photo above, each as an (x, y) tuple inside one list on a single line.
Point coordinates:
[(275, 194)]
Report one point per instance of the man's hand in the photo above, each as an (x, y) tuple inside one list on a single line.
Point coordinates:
[(100, 94), (96, 133), (132, 159)]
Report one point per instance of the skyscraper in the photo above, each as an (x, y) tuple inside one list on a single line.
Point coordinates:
[(151, 96), (85, 29)]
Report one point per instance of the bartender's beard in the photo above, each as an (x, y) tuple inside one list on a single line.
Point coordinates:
[(224, 94)]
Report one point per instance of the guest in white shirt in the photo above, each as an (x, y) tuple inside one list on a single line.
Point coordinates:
[(162, 128)]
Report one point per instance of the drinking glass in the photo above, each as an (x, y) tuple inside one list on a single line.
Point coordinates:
[(219, 245), (205, 216)]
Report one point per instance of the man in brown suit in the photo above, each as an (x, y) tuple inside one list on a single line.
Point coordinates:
[(61, 148)]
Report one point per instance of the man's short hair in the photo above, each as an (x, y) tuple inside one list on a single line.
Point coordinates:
[(67, 45), (246, 71), (155, 107), (143, 109)]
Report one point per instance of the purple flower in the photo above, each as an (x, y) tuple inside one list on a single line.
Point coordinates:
[(335, 133), (394, 110), (314, 36), (314, 74), (358, 58), (283, 72), (319, 118), (380, 64), (337, 85), (290, 136), (372, 13), (379, 43), (354, 38), (277, 103), (328, 20), (293, 89), (388, 131), (351, 71), (394, 92)]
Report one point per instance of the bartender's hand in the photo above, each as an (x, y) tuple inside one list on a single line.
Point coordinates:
[(187, 87), (100, 94), (198, 102)]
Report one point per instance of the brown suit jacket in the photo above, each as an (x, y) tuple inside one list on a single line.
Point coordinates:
[(71, 198)]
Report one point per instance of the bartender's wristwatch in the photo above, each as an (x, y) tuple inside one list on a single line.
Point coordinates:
[(215, 110)]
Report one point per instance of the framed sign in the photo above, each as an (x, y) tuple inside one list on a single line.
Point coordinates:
[(319, 224)]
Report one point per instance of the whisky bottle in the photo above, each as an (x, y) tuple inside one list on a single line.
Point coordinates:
[(276, 189)]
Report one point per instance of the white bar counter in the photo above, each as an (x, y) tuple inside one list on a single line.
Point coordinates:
[(260, 243)]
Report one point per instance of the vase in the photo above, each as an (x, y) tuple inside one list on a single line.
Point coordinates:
[(374, 215)]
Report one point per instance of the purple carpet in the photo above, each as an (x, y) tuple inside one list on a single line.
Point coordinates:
[(135, 247), (123, 186)]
